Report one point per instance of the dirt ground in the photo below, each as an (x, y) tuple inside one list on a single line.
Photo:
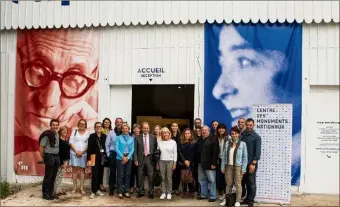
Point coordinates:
[(31, 196)]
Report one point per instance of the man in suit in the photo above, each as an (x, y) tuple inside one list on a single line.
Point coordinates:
[(145, 147)]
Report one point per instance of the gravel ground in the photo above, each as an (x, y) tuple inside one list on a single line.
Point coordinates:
[(31, 196)]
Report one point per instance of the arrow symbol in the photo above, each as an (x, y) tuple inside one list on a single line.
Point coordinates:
[(150, 79)]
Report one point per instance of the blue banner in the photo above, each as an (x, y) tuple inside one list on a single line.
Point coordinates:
[(247, 64)]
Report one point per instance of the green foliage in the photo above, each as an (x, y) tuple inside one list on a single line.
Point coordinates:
[(4, 189)]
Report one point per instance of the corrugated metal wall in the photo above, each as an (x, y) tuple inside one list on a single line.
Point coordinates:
[(8, 62), (321, 53), (320, 65), (28, 14), (178, 49)]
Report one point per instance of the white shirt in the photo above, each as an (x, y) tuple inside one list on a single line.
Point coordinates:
[(168, 150), (231, 155), (79, 141)]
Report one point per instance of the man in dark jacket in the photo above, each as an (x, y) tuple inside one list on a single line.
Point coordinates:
[(207, 166), (49, 151), (253, 142)]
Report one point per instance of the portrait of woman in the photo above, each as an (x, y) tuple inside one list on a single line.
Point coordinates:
[(249, 64)]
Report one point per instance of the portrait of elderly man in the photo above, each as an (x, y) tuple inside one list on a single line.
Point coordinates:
[(249, 64), (56, 78)]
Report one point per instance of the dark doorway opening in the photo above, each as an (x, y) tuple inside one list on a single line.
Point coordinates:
[(170, 102)]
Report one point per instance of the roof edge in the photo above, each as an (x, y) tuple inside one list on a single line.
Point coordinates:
[(151, 23)]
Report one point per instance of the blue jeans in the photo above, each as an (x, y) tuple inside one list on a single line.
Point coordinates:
[(123, 179), (206, 177)]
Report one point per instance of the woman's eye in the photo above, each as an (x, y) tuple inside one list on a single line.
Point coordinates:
[(245, 62)]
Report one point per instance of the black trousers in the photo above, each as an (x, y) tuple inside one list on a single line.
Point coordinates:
[(97, 177), (52, 164), (113, 171), (249, 185), (220, 179), (176, 178), (133, 176), (195, 174), (243, 184)]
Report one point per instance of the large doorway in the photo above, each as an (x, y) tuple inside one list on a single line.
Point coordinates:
[(163, 104)]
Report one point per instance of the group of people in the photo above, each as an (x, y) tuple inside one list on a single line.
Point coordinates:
[(202, 160)]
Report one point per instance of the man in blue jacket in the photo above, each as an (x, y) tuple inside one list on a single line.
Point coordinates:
[(253, 142)]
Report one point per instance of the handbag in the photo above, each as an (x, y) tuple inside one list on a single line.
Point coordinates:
[(157, 178), (156, 156), (230, 199), (186, 176)]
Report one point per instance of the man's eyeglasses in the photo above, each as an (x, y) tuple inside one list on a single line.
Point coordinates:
[(72, 84)]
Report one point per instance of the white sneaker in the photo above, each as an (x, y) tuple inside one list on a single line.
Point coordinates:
[(92, 196), (168, 196), (100, 193), (222, 197), (237, 204), (163, 196), (223, 202)]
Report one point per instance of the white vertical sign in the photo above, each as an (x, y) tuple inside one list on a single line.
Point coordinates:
[(274, 124)]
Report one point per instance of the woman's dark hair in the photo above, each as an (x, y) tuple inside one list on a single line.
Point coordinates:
[(97, 123), (191, 139), (107, 119), (222, 126), (215, 133), (214, 121), (235, 129), (178, 130), (195, 132)]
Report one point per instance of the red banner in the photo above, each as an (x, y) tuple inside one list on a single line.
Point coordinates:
[(56, 77)]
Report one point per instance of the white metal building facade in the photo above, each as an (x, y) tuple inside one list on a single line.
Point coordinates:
[(171, 33)]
